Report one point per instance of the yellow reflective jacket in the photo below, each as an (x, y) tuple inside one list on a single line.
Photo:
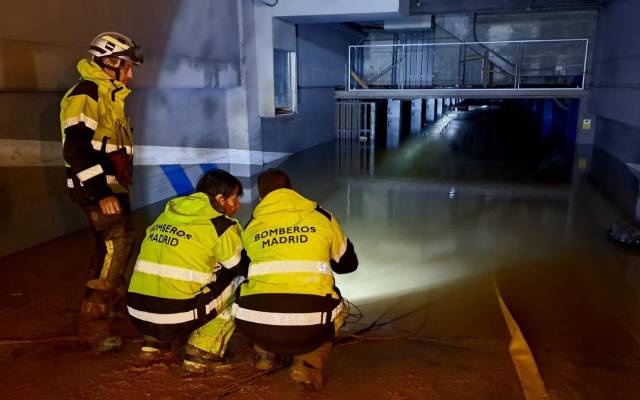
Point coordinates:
[(289, 303), (294, 245), (96, 135), (190, 255)]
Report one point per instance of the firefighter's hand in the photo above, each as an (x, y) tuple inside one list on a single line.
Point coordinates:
[(110, 205)]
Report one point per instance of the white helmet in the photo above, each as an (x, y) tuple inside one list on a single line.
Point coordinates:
[(117, 45)]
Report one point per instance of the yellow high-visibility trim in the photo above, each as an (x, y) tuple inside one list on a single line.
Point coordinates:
[(233, 260), (106, 265)]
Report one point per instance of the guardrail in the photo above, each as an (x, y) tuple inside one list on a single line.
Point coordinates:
[(499, 65)]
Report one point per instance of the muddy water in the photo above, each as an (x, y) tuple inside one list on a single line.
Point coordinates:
[(434, 229)]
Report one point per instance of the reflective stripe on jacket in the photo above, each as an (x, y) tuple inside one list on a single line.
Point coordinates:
[(289, 301), (95, 131), (187, 265)]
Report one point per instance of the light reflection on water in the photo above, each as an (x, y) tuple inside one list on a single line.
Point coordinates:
[(430, 234)]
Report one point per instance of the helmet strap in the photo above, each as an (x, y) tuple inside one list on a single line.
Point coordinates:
[(117, 70)]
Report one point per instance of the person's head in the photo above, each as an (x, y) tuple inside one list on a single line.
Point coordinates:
[(272, 179), (223, 190), (116, 54)]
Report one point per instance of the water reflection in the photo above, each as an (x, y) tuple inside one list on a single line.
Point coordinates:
[(432, 227)]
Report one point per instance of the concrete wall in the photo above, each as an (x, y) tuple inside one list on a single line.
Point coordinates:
[(179, 101), (615, 96), (308, 11), (322, 56)]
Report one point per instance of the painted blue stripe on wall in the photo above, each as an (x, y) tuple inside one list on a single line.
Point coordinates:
[(208, 167), (178, 179)]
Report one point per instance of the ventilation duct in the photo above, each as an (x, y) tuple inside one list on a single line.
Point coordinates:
[(414, 23)]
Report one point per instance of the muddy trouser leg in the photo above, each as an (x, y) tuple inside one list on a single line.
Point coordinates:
[(315, 359), (214, 336), (114, 242)]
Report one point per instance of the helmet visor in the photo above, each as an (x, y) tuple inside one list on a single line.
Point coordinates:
[(133, 54)]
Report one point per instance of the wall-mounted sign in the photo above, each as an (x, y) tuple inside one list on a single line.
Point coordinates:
[(582, 163), (586, 124)]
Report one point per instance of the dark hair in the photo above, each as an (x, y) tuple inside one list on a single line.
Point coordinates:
[(272, 179), (217, 182)]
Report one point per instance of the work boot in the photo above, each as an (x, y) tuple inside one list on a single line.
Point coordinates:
[(107, 343), (266, 360), (153, 349), (198, 361), (306, 374)]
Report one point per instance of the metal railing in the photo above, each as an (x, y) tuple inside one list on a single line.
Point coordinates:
[(523, 64), (355, 120)]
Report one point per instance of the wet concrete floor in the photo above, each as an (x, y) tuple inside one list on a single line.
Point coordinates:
[(433, 229)]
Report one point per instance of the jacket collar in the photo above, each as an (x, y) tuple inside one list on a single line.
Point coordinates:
[(91, 71)]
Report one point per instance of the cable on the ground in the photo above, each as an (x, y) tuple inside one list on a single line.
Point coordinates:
[(358, 337), (370, 326), (353, 317)]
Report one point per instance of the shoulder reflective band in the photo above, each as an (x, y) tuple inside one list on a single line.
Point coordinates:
[(284, 267), (171, 272), (88, 122), (97, 145), (220, 303), (234, 260), (89, 173), (284, 319)]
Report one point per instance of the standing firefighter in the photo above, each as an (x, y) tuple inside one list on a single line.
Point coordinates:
[(98, 153), (187, 272), (289, 305)]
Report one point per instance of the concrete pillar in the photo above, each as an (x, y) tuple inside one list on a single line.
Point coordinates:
[(393, 123), (416, 117), (243, 121), (439, 107), (431, 110), (585, 137)]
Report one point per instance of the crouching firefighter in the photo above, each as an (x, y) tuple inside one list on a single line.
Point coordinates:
[(289, 304), (186, 275), (98, 154)]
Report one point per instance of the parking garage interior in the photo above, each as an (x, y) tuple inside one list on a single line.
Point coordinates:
[(476, 154)]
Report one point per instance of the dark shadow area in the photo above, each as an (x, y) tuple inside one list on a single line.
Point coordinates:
[(515, 141)]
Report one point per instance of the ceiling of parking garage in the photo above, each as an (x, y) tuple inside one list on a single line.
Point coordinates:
[(455, 6)]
